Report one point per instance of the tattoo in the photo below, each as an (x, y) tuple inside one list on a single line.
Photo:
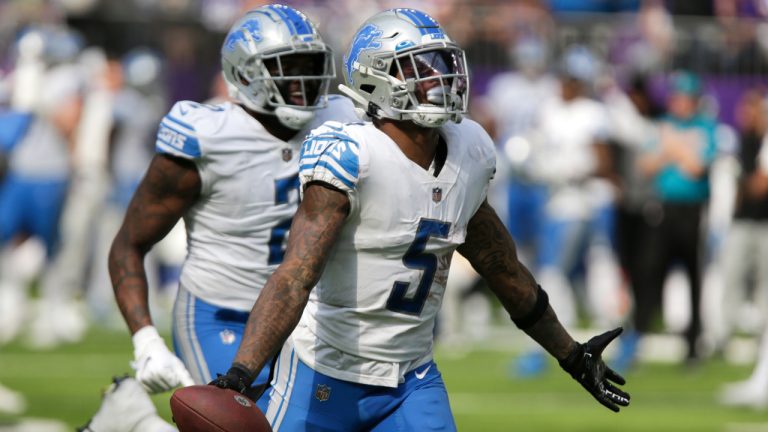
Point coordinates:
[(170, 187), (314, 231), (492, 252)]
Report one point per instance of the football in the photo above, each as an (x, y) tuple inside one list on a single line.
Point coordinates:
[(205, 408)]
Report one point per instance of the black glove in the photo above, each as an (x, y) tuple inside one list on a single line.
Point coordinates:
[(587, 367), (239, 379)]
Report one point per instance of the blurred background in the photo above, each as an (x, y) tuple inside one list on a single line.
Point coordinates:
[(632, 173)]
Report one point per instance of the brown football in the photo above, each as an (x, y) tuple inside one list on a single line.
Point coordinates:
[(205, 408)]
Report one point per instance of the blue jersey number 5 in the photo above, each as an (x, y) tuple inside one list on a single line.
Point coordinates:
[(415, 258), (283, 189)]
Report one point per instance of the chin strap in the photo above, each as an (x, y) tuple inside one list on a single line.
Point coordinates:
[(293, 118)]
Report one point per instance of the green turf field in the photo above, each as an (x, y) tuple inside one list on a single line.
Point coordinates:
[(65, 384)]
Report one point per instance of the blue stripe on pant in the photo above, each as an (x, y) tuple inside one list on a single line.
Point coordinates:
[(206, 337), (302, 399)]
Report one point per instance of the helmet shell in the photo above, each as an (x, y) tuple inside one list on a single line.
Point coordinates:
[(376, 54)]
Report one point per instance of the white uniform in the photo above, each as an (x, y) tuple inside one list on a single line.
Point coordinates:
[(371, 317), (238, 228)]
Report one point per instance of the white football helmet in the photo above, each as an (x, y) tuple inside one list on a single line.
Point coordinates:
[(257, 66), (401, 65)]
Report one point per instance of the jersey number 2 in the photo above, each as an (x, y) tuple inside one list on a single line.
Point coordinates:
[(283, 189), (416, 258)]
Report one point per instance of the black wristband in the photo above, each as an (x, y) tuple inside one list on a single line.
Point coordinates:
[(243, 373), (535, 314)]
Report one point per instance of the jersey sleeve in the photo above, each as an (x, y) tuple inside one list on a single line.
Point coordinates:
[(486, 151), (330, 155), (176, 135)]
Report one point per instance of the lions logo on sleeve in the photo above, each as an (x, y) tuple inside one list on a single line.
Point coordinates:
[(330, 155), (177, 135)]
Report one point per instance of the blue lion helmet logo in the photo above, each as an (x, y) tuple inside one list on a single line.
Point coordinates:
[(250, 27), (366, 38)]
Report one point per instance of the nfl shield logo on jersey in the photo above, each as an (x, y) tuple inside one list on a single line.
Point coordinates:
[(323, 392), (227, 337), (287, 154), (437, 194)]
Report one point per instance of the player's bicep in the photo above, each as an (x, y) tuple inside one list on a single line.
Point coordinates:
[(169, 188), (315, 229)]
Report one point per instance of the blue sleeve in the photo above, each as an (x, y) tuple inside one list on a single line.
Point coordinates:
[(176, 135), (330, 155), (13, 126)]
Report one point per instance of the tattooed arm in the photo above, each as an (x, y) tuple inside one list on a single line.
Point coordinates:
[(170, 187), (491, 251), (315, 228)]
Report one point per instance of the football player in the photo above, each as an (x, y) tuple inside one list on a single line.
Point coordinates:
[(231, 172), (385, 203)]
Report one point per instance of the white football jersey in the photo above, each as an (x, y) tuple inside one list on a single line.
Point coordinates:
[(568, 131), (237, 230), (372, 315)]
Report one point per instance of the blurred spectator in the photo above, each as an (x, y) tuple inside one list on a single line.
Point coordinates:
[(508, 110), (679, 164), (633, 115), (62, 319), (753, 392), (570, 157), (138, 106), (741, 52), (746, 245), (33, 192), (645, 44)]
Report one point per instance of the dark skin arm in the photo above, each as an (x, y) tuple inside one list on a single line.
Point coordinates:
[(170, 187), (492, 252), (315, 228)]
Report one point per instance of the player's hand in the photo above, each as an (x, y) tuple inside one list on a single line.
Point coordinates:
[(157, 368), (586, 366), (239, 379)]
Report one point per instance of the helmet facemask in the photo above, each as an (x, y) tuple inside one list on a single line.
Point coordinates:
[(426, 85), (289, 84), (431, 85)]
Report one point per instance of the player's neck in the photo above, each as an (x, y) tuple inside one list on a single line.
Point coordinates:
[(273, 125), (418, 143)]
